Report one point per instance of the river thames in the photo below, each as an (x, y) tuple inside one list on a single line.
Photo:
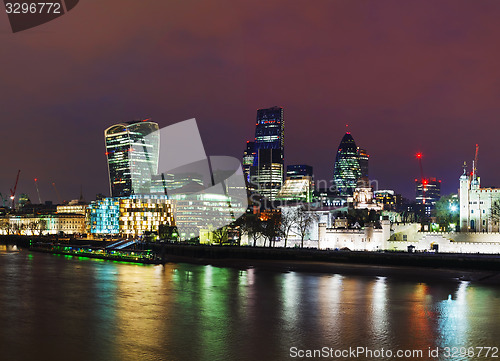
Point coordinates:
[(68, 308)]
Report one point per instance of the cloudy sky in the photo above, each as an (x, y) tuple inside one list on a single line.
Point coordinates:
[(406, 75)]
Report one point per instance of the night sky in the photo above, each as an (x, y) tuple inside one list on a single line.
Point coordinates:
[(406, 76)]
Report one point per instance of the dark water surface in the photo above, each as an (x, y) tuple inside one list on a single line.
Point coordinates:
[(66, 308)]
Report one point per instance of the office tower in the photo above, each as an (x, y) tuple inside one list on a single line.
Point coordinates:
[(269, 131), (266, 174), (363, 158), (427, 192), (130, 172), (298, 184), (346, 171), (248, 157)]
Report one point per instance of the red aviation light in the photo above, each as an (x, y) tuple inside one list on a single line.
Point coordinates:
[(419, 155)]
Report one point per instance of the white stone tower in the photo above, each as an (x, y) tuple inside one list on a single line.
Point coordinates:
[(464, 200)]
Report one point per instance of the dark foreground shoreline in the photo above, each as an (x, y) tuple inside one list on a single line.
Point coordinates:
[(478, 268)]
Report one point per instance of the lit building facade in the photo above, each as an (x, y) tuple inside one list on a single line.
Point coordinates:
[(136, 215), (296, 190), (130, 216), (139, 214), (103, 217), (428, 192), (129, 169), (298, 184), (72, 208), (389, 199), (346, 170), (47, 224), (363, 197), (199, 213), (267, 176)]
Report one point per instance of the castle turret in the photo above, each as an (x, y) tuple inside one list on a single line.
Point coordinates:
[(464, 200)]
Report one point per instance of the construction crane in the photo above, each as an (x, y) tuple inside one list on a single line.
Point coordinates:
[(13, 192), (57, 193), (38, 191), (474, 167), (422, 179)]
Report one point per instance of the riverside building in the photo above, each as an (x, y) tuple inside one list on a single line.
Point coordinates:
[(479, 207)]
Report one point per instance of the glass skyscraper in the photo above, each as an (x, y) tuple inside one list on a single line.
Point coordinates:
[(363, 158), (130, 171), (347, 170), (248, 157), (270, 131), (266, 174), (428, 192)]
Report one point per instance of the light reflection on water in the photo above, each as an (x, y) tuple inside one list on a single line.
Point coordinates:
[(63, 308)]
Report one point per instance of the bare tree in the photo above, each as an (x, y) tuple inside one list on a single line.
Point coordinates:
[(303, 220), (5, 225), (42, 226), (286, 224), (271, 228), (32, 227), (16, 228), (251, 225), (220, 234)]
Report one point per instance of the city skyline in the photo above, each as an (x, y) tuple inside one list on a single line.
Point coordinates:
[(428, 87)]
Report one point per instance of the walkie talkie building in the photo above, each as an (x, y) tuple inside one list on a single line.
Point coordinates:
[(125, 164)]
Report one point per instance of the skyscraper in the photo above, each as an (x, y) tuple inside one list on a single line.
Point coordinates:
[(128, 169), (266, 174), (346, 171), (363, 158), (427, 192), (270, 131), (248, 157)]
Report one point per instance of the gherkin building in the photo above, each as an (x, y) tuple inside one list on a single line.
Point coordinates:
[(346, 171)]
